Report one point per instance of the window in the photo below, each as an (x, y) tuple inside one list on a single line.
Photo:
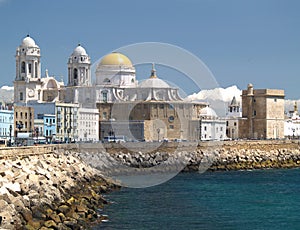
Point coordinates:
[(25, 115), (234, 124), (104, 96), (29, 68), (205, 128), (227, 123), (21, 96), (104, 115), (171, 126), (75, 75), (36, 69), (21, 115), (23, 67), (16, 114), (254, 113), (275, 99), (106, 80), (161, 106), (171, 118)]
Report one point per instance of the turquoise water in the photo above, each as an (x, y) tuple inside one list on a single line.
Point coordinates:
[(262, 199)]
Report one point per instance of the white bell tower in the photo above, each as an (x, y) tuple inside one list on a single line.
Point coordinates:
[(79, 72), (28, 64), (28, 71)]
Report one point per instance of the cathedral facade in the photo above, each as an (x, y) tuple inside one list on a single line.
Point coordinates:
[(120, 105)]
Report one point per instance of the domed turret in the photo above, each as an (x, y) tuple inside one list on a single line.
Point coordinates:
[(207, 113), (79, 68), (78, 51), (28, 42), (115, 69), (153, 81), (116, 59)]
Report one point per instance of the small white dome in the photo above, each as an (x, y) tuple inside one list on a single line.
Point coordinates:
[(28, 42), (153, 83), (207, 112), (79, 51)]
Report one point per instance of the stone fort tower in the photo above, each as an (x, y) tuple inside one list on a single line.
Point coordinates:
[(262, 114)]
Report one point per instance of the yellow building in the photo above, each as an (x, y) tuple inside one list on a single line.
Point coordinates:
[(23, 120)]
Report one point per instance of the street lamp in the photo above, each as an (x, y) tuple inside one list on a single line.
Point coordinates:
[(10, 130), (19, 127), (69, 131)]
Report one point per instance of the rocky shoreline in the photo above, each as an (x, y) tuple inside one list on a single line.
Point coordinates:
[(60, 187), (50, 191), (226, 156)]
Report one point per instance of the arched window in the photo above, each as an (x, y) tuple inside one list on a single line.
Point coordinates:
[(75, 76), (23, 67), (36, 69), (75, 73)]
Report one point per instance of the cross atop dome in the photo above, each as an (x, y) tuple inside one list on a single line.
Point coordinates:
[(153, 71)]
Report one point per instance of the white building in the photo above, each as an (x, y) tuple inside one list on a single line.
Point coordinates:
[(28, 84), (292, 124), (212, 127), (88, 124)]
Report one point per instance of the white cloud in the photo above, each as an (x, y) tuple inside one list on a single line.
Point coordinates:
[(5, 87), (222, 94), (218, 98)]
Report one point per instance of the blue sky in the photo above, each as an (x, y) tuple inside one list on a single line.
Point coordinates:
[(255, 41)]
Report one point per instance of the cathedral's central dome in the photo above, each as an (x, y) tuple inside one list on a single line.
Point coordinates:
[(116, 59)]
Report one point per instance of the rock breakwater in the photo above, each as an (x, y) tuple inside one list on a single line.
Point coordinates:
[(49, 191), (239, 155)]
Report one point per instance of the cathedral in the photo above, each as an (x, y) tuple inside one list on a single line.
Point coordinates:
[(115, 103)]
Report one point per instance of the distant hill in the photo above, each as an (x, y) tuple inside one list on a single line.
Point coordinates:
[(6, 94)]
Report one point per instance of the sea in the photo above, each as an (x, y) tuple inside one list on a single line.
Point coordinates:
[(258, 199)]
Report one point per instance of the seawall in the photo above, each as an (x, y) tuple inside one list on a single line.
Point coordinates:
[(229, 155)]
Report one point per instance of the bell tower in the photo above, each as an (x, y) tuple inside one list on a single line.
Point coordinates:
[(28, 71), (28, 64), (79, 64)]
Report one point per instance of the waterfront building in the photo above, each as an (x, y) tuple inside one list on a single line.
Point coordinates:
[(233, 114), (49, 126), (87, 125), (153, 106), (292, 124), (66, 122), (6, 121), (212, 127), (262, 114), (151, 109), (23, 120), (38, 130)]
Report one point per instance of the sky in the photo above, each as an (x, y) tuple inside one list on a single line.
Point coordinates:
[(241, 42)]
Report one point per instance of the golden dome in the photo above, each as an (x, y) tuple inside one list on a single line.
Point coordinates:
[(115, 59)]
